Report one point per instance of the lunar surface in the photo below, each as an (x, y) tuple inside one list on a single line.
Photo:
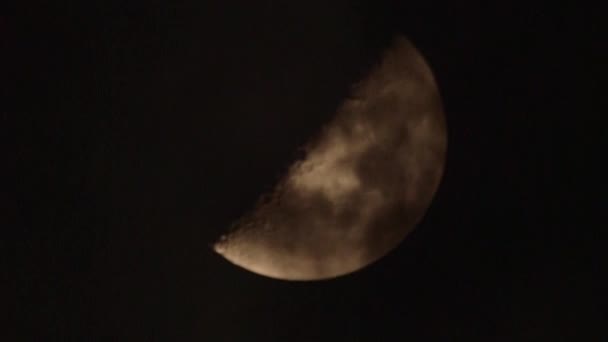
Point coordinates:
[(365, 182)]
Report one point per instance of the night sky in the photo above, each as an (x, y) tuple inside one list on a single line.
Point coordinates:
[(135, 132)]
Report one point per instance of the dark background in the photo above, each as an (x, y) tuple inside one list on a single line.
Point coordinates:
[(133, 133)]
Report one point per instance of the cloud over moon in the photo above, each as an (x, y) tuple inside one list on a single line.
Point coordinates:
[(363, 184)]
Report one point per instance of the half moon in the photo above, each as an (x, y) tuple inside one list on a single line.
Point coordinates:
[(364, 184)]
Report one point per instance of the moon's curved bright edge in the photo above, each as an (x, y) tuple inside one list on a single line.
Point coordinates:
[(364, 184)]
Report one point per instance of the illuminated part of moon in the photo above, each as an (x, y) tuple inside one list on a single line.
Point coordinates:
[(364, 184)]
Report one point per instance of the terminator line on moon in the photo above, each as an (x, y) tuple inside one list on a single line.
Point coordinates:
[(364, 184)]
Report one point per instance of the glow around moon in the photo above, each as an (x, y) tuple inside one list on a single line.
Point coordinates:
[(364, 184)]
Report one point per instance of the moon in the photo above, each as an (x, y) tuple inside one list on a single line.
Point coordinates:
[(365, 182)]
